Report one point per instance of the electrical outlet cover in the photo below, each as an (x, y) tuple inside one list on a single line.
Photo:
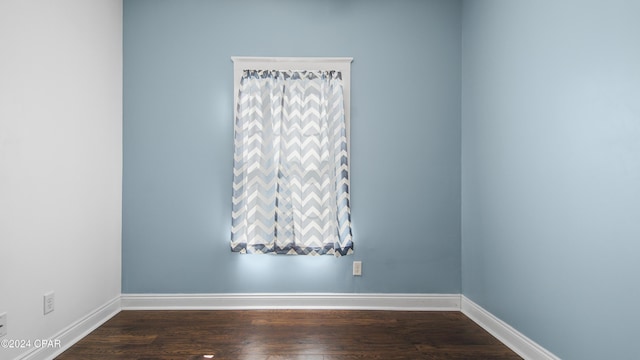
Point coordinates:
[(3, 324), (357, 268), (49, 302)]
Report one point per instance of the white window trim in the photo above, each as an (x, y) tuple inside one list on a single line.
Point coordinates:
[(342, 64)]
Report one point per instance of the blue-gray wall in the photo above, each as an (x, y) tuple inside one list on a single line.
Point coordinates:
[(550, 155), (405, 126), (551, 171)]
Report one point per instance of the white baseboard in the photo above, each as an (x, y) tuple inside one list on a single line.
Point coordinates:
[(509, 336), (76, 331), (407, 302)]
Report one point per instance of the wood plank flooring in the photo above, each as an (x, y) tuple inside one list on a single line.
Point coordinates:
[(288, 334)]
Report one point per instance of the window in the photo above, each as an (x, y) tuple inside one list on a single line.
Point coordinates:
[(291, 156)]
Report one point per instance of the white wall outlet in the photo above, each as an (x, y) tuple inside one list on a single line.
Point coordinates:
[(49, 302), (357, 268), (3, 324)]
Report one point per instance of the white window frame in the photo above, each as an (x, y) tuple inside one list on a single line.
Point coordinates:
[(342, 64)]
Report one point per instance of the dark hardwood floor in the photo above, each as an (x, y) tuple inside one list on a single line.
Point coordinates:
[(288, 334)]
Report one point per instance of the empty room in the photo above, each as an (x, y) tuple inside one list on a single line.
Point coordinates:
[(319, 179)]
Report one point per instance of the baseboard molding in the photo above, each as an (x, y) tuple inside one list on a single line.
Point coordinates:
[(406, 302), (509, 336), (76, 331)]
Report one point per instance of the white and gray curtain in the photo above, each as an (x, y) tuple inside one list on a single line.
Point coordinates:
[(291, 173)]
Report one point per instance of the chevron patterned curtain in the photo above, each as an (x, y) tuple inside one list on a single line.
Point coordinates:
[(291, 174)]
